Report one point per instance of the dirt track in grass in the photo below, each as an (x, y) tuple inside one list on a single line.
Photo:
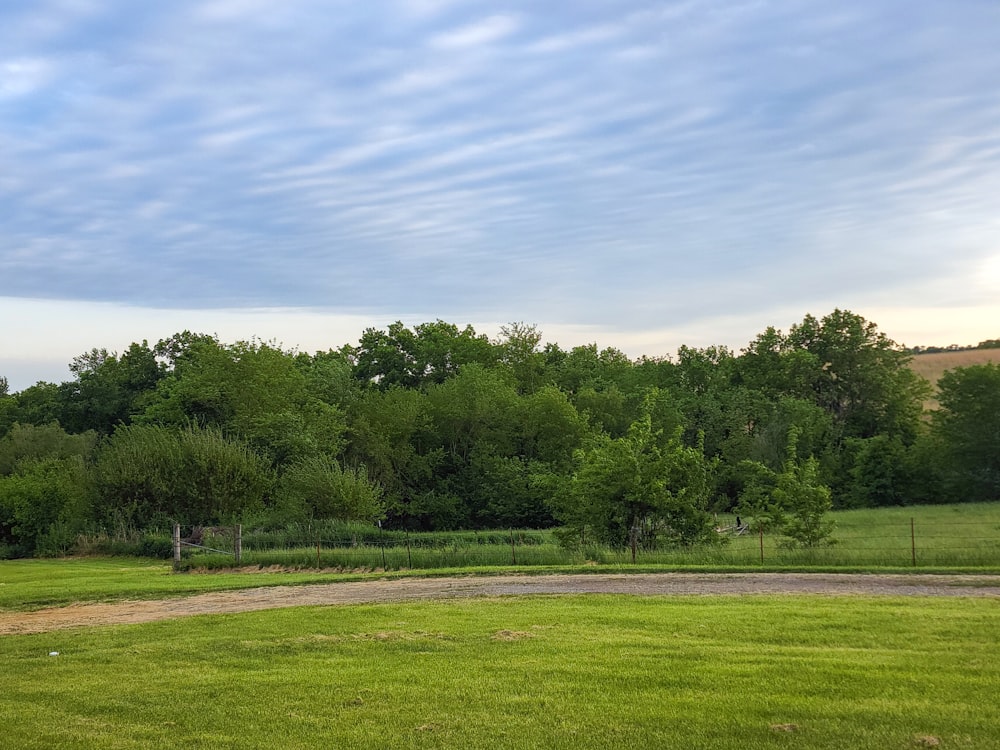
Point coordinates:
[(413, 589)]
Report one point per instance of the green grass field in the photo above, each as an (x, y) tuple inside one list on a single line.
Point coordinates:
[(560, 672)]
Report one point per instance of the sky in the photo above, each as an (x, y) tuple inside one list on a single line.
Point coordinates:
[(637, 174)]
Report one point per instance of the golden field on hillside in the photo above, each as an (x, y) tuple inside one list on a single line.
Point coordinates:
[(932, 366)]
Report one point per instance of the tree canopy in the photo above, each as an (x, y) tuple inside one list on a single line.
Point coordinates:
[(438, 426)]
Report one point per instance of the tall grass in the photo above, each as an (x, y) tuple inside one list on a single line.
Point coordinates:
[(956, 536)]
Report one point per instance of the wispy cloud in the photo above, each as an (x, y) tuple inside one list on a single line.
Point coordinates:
[(485, 31)]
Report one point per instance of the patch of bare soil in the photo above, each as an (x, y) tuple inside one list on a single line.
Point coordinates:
[(411, 589)]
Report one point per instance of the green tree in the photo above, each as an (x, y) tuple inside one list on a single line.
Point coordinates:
[(149, 474), (519, 353), (108, 389), (38, 404), (44, 504), (804, 499), (475, 408), (27, 442), (757, 504), (967, 428), (253, 390), (584, 367), (330, 377), (8, 407), (862, 377), (511, 491), (392, 434), (429, 353), (638, 489), (550, 428), (316, 487), (879, 472), (474, 414), (607, 410)]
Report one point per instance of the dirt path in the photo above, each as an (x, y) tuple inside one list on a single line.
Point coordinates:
[(654, 584)]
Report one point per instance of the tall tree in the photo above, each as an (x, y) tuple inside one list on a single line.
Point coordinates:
[(862, 378), (967, 427), (254, 390), (392, 434), (429, 353), (519, 353), (109, 390), (38, 404)]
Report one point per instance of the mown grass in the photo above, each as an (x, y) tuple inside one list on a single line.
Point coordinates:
[(560, 672)]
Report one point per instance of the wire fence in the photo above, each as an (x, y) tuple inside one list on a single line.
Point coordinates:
[(905, 543)]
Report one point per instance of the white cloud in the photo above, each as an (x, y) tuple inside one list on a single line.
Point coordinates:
[(580, 38), (23, 76), (233, 10), (482, 32)]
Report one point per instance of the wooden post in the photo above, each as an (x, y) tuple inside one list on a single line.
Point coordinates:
[(409, 558), (177, 544), (381, 542), (633, 544), (913, 543), (238, 543), (317, 552), (513, 553), (760, 527)]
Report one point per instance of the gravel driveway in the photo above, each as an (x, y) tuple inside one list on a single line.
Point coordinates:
[(411, 589)]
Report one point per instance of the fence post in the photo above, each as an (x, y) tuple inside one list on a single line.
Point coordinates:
[(317, 551), (177, 545), (513, 553), (238, 543), (409, 558), (381, 543), (913, 543), (760, 529)]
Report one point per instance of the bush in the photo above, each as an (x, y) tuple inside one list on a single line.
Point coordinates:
[(191, 476), (44, 505)]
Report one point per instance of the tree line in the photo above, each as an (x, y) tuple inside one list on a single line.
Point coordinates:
[(440, 427)]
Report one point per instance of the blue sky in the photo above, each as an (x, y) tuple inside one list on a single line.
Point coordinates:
[(639, 174)]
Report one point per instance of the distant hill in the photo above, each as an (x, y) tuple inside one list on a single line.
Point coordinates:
[(988, 344), (933, 364)]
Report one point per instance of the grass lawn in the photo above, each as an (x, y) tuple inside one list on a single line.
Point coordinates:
[(557, 672)]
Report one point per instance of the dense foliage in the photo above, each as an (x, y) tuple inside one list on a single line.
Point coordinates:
[(438, 427)]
